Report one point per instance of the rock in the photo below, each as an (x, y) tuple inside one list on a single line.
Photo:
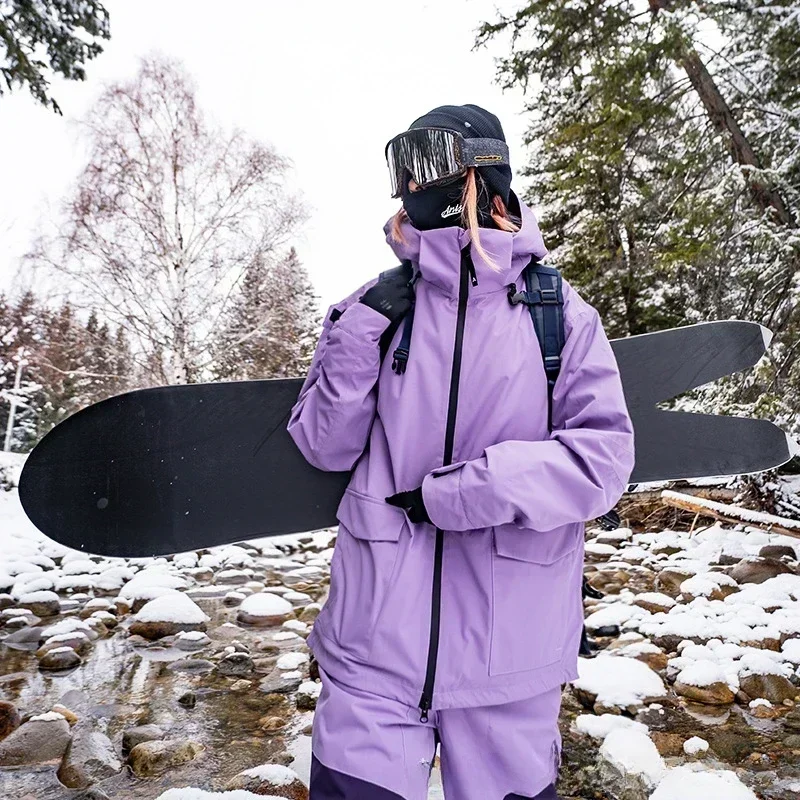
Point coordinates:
[(191, 640), (630, 766), (778, 551), (716, 694), (188, 700), (10, 719), (141, 733), (654, 602), (310, 612), (28, 635), (6, 601), (774, 688), (272, 724), (270, 780), (77, 641), (307, 695), (236, 664), (668, 745), (669, 581), (59, 658), (192, 666), (42, 604), (69, 715), (264, 609), (156, 757), (90, 758), (167, 615), (92, 794), (41, 740), (759, 570), (729, 745)]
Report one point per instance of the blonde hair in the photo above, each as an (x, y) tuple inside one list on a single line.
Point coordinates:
[(469, 216)]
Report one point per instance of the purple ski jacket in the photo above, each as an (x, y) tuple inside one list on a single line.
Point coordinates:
[(493, 613)]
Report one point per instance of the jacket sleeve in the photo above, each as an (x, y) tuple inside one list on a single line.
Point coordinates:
[(578, 474), (332, 416)]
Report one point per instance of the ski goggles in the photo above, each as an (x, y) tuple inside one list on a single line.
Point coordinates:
[(437, 155)]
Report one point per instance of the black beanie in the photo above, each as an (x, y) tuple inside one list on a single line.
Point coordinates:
[(472, 122)]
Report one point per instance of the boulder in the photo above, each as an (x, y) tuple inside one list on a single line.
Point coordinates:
[(264, 609), (715, 694), (41, 740), (60, 658), (774, 688), (141, 733), (152, 758), (10, 719), (270, 780), (89, 759), (759, 570), (167, 615)]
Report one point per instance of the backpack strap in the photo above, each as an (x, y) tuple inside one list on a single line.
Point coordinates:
[(400, 355), (544, 297)]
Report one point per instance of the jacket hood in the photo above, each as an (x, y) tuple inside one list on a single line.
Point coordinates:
[(436, 253)]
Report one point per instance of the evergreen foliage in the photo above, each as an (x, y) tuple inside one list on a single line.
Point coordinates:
[(66, 33), (665, 159)]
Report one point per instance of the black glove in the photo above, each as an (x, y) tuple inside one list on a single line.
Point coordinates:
[(412, 503), (391, 297)]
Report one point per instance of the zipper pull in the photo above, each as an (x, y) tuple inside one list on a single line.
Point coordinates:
[(472, 274), (424, 705)]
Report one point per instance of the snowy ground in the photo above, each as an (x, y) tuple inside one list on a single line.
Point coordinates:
[(696, 693)]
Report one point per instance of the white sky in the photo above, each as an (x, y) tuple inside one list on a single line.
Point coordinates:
[(327, 83)]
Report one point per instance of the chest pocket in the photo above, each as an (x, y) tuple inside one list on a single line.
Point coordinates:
[(536, 579)]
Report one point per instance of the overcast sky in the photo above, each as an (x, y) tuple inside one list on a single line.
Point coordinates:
[(327, 83)]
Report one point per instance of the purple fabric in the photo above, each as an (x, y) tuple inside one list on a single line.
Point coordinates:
[(361, 741), (512, 505)]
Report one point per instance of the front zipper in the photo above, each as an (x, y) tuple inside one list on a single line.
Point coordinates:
[(466, 276)]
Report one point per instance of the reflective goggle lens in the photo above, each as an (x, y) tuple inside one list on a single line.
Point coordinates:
[(429, 155)]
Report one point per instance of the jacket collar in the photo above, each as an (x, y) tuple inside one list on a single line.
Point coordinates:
[(436, 254)]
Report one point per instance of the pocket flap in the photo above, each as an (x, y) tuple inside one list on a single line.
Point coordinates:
[(367, 517), (538, 547)]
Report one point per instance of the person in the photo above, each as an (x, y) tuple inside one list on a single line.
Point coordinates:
[(454, 612)]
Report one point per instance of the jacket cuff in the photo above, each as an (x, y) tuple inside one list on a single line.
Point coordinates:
[(362, 322), (441, 493)]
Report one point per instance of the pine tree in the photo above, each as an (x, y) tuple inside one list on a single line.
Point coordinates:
[(665, 152), (271, 329)]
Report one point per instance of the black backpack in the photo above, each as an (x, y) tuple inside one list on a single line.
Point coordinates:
[(545, 300)]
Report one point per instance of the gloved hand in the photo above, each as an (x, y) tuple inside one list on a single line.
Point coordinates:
[(391, 297), (412, 503)]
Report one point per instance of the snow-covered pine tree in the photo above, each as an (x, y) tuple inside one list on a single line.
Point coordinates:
[(271, 328), (664, 141)]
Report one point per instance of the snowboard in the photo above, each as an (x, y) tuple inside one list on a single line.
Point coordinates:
[(170, 469)]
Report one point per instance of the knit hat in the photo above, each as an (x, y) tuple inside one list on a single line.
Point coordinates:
[(472, 122)]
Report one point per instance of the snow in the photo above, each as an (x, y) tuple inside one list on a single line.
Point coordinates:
[(291, 661), (37, 597), (275, 774), (265, 604), (683, 783), (177, 608), (618, 681), (598, 727), (694, 746), (702, 673), (633, 753), (50, 716)]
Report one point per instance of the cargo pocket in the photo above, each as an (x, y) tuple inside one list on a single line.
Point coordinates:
[(362, 569), (534, 576)]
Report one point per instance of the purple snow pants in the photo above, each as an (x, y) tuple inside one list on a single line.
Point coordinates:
[(366, 747)]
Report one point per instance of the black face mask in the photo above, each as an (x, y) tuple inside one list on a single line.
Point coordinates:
[(439, 206)]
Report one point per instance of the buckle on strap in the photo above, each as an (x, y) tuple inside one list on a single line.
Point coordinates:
[(533, 298)]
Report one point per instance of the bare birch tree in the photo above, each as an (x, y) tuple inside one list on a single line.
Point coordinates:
[(166, 219)]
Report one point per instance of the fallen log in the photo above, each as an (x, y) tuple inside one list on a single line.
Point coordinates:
[(729, 513)]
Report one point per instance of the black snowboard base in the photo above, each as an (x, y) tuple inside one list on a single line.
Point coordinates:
[(171, 469)]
